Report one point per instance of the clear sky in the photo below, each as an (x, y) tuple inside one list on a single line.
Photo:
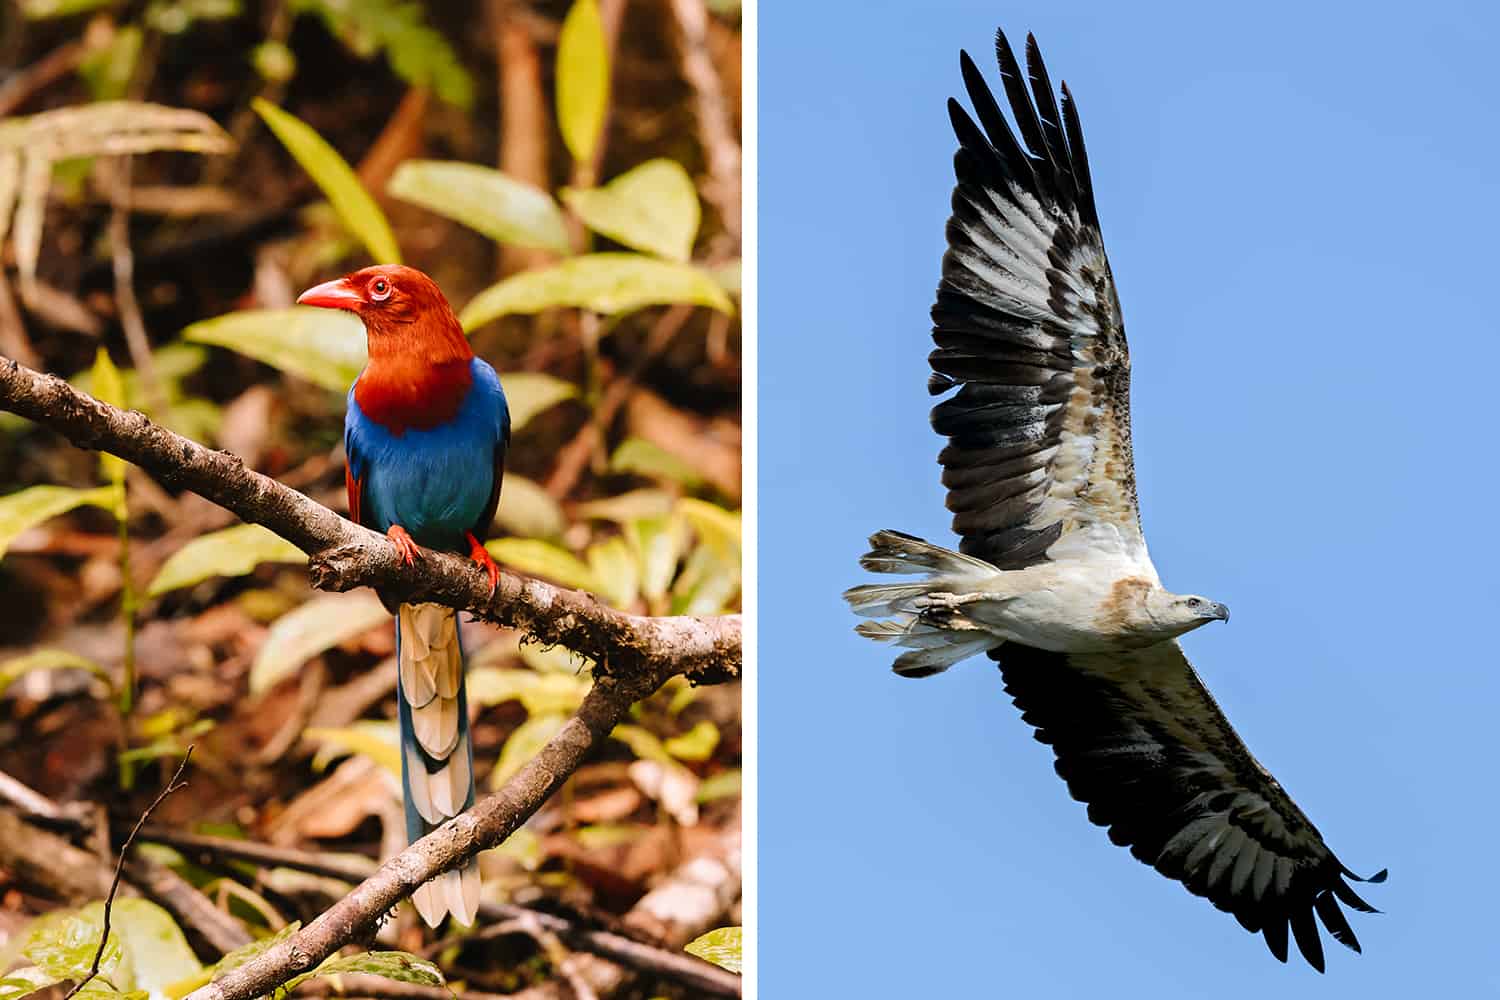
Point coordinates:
[(1300, 207)]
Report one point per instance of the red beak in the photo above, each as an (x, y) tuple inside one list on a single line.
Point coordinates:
[(335, 294)]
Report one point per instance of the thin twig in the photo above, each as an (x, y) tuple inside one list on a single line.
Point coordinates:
[(721, 149), (114, 886)]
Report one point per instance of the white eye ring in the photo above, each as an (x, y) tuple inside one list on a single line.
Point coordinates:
[(380, 290)]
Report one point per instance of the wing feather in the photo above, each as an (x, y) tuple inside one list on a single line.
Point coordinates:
[(1027, 327), (1140, 740)]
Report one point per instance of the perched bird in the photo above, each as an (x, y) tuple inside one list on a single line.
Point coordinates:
[(1053, 579), (425, 437)]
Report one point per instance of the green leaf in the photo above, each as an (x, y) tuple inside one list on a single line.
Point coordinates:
[(539, 694), (356, 209), (524, 744), (643, 743), (657, 544), (528, 510), (715, 526), (724, 785), (652, 208), (48, 659), (38, 10), (324, 346), (554, 659), (146, 950), (538, 558), (417, 53), (643, 458), (629, 506), (23, 982), (696, 744), (232, 552), (107, 70), (529, 393), (582, 79), (723, 947), (379, 740), (30, 507), (615, 567), (310, 629), (508, 211), (396, 965), (602, 282), (243, 954)]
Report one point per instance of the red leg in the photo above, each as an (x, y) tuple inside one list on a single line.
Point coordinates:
[(405, 547), (481, 555)]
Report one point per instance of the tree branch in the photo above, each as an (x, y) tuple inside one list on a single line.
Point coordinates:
[(343, 555), (488, 823)]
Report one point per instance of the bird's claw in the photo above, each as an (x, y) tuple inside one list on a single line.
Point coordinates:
[(406, 547), (481, 555)]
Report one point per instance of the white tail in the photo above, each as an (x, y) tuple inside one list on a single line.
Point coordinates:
[(935, 634), (438, 767)]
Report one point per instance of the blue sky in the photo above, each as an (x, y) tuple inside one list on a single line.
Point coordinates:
[(1300, 207)]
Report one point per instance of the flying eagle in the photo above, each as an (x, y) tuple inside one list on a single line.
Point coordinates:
[(1053, 579)]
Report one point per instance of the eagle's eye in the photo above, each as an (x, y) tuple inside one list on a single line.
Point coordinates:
[(380, 289), (1193, 602)]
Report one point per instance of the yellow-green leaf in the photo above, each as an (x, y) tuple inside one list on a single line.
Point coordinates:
[(529, 393), (324, 346), (658, 547), (395, 965), (30, 507), (643, 743), (109, 388), (524, 744), (724, 947), (538, 693), (724, 785), (377, 739), (554, 659), (643, 458), (629, 506), (310, 629), (508, 211), (48, 659), (715, 526), (582, 79), (528, 510), (356, 209), (652, 208), (696, 744), (538, 558), (615, 567), (232, 552), (601, 282)]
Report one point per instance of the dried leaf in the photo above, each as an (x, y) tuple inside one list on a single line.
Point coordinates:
[(310, 629)]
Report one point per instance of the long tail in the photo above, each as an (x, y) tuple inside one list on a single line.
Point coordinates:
[(437, 761), (935, 637)]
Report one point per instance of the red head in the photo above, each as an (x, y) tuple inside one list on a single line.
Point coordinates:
[(403, 310), (419, 357)]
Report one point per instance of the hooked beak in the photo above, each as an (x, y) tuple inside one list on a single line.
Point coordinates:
[(1218, 612), (335, 294)]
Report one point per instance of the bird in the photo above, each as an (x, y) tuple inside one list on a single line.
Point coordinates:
[(1052, 578), (425, 438)]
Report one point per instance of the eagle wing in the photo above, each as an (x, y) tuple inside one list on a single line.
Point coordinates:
[(1139, 739), (1028, 330)]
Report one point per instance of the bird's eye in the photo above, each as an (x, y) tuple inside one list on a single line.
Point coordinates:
[(1193, 602), (380, 289)]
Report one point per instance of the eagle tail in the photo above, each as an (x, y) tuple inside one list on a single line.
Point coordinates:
[(935, 634), (437, 761)]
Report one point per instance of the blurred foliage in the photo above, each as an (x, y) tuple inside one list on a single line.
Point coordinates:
[(604, 290)]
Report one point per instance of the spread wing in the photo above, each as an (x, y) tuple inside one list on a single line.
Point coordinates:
[(1139, 739), (1028, 330)]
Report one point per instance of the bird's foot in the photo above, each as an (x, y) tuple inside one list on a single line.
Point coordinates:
[(481, 555), (406, 548)]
